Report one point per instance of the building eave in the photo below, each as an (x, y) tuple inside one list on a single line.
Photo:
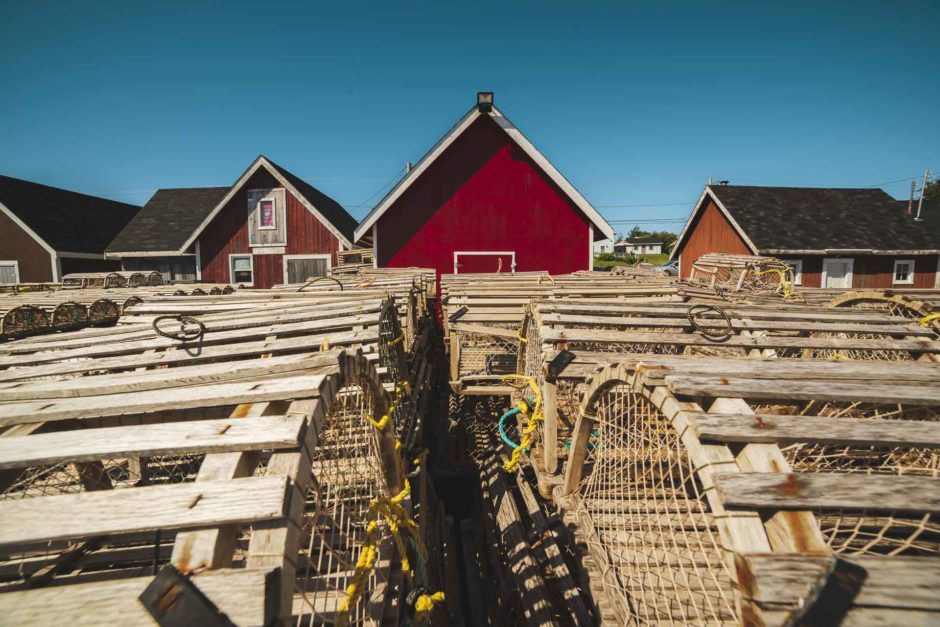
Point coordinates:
[(598, 222), (258, 163)]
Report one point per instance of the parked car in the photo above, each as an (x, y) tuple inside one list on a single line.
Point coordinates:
[(670, 267)]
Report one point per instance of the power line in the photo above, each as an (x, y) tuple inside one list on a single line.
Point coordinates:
[(367, 200), (655, 204)]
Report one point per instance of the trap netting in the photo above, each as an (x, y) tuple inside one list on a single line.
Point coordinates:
[(346, 477), (115, 556), (876, 352), (487, 355), (648, 521), (860, 532)]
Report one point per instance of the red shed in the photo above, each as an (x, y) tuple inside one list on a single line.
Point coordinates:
[(484, 199), (270, 227), (832, 237)]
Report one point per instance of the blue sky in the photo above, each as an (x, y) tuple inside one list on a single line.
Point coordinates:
[(638, 104)]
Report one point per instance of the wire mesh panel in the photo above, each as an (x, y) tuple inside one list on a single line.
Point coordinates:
[(347, 475), (859, 533), (649, 521), (482, 354), (120, 555)]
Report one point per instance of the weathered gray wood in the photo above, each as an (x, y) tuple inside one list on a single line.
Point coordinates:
[(177, 506), (721, 386), (300, 386), (680, 322), (247, 596), (575, 604), (819, 430), (165, 378), (482, 329), (172, 438), (763, 341), (875, 493), (659, 366), (900, 582), (175, 358), (524, 569)]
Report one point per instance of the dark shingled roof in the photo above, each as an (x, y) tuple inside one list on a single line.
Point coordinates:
[(641, 240), (807, 218), (66, 221), (168, 219), (329, 208)]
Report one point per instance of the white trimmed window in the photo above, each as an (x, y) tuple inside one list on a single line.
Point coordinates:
[(267, 214), (797, 265), (903, 272), (9, 272), (241, 269)]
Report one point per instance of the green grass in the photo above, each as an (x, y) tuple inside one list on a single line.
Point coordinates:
[(656, 260)]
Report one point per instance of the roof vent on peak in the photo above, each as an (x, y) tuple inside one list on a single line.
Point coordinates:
[(485, 101)]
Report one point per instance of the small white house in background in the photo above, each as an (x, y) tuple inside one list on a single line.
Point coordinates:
[(604, 246), (639, 246)]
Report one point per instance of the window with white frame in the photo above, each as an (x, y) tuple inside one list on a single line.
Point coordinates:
[(9, 272), (241, 269), (903, 272), (797, 266), (267, 214)]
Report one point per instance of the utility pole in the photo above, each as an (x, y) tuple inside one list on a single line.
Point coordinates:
[(920, 203), (910, 201)]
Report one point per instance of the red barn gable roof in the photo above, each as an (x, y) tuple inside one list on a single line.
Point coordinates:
[(326, 210), (516, 135)]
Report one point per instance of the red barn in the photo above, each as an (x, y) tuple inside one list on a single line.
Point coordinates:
[(484, 199), (842, 238), (269, 227)]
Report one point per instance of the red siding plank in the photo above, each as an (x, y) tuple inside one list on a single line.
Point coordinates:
[(709, 233)]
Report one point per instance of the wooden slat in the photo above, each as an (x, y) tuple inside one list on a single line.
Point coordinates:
[(175, 358), (302, 386), (247, 596), (763, 341), (796, 491), (172, 438), (482, 329), (819, 430), (718, 386), (178, 506), (902, 582), (164, 378)]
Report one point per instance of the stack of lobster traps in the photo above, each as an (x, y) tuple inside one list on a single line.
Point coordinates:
[(633, 398), (261, 462), (483, 314), (91, 300)]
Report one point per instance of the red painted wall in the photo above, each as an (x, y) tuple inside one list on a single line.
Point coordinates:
[(484, 194), (712, 233), (34, 261), (871, 271), (227, 234), (709, 233)]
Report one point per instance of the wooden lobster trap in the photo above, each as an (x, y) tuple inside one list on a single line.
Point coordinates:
[(716, 491)]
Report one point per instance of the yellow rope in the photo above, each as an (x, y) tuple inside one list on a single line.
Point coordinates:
[(784, 272), (399, 523), (425, 605), (397, 340), (535, 415), (926, 321)]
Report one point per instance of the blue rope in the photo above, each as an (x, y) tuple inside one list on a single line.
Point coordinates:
[(502, 428)]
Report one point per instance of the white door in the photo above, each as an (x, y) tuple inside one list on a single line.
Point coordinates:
[(837, 273)]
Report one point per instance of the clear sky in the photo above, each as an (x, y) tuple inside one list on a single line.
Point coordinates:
[(638, 104)]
